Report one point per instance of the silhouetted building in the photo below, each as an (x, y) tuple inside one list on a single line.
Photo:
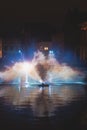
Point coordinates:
[(44, 46), (1, 48), (75, 33), (71, 29), (83, 41), (12, 49)]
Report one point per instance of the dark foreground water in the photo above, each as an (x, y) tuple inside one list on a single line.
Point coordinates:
[(61, 107)]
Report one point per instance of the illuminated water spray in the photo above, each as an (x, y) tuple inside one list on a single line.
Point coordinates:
[(42, 69)]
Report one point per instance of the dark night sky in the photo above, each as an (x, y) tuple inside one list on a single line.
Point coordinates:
[(38, 10), (15, 13)]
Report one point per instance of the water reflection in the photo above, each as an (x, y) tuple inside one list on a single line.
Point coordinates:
[(42, 101)]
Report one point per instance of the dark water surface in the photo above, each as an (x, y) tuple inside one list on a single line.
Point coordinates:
[(61, 107)]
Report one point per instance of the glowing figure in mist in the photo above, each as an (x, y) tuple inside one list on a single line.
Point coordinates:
[(41, 69)]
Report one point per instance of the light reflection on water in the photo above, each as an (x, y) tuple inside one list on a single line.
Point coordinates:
[(42, 101)]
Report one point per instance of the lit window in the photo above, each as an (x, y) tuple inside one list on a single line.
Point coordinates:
[(45, 48)]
